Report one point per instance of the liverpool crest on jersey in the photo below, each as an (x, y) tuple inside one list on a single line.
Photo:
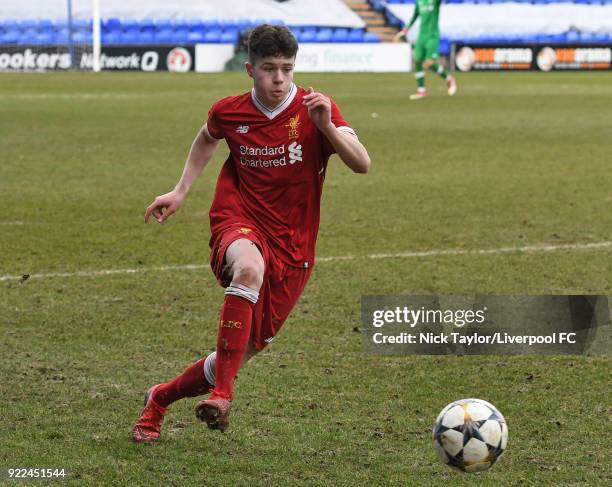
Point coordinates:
[(294, 125)]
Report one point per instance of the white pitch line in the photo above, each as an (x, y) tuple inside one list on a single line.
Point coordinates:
[(398, 255), (501, 250)]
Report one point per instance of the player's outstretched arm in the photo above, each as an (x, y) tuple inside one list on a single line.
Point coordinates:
[(202, 150), (406, 29), (347, 146)]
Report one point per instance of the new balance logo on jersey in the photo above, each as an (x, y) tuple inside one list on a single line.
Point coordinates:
[(242, 129), (295, 152)]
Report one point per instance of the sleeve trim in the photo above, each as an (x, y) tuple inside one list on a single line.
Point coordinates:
[(207, 132)]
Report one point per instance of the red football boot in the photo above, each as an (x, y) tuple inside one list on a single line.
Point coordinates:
[(149, 424), (215, 411)]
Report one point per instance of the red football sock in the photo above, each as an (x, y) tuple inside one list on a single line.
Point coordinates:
[(190, 383), (232, 340)]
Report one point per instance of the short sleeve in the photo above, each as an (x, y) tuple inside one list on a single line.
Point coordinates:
[(341, 124), (213, 124)]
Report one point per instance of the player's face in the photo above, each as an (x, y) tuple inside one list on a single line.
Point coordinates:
[(272, 79)]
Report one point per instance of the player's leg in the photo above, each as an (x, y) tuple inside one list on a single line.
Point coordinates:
[(192, 382), (433, 63), (246, 266), (277, 299), (419, 72)]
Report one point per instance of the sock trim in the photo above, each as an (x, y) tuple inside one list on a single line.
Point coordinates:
[(419, 74), (237, 289), (209, 368)]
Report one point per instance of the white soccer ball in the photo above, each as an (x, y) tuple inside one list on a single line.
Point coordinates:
[(470, 435)]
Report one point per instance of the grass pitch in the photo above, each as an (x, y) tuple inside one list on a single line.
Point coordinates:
[(513, 160)]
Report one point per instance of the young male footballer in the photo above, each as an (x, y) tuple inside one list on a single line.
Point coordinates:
[(426, 48), (264, 217)]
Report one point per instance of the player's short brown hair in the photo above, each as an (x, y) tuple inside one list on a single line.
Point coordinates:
[(271, 40)]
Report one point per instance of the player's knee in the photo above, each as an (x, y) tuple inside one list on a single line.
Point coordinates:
[(428, 63), (248, 273)]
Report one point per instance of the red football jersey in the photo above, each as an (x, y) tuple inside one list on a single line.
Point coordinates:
[(273, 177)]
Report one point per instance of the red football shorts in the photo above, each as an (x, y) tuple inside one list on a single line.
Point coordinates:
[(282, 284)]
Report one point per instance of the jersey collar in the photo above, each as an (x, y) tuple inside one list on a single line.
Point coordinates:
[(279, 109)]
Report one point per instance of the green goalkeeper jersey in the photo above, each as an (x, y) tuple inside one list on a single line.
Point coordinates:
[(429, 11)]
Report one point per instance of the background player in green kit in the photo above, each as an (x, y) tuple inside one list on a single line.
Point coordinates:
[(426, 48)]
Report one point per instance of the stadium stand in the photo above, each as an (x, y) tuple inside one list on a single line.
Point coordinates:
[(158, 22), (511, 22), (145, 22)]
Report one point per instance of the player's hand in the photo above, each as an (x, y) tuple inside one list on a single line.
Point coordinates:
[(400, 34), (319, 108), (164, 206)]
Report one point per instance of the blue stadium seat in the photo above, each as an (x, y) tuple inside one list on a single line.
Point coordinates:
[(164, 36), (212, 24), (163, 25), (308, 36), (196, 26), (130, 26), (128, 38), (355, 35), (81, 37), (181, 35), (370, 37), (229, 37), (572, 36), (297, 33), (146, 38), (195, 37), (9, 25), (340, 35), (147, 25), (9, 37), (25, 25), (552, 38), (112, 23), (213, 36), (111, 38), (587, 37), (180, 25), (25, 39), (81, 24), (324, 35), (44, 39), (45, 26), (62, 37), (60, 25)]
